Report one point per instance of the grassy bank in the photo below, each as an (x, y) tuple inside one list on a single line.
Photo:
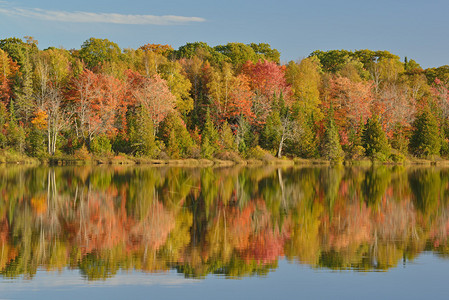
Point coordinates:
[(10, 157)]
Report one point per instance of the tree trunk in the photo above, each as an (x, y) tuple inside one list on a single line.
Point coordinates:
[(281, 144), (49, 139)]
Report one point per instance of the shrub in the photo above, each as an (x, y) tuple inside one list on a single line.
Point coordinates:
[(259, 153), (229, 155), (397, 157)]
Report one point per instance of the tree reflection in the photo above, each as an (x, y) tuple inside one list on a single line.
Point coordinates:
[(229, 221)]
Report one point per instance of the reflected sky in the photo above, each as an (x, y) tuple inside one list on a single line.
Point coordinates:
[(426, 276)]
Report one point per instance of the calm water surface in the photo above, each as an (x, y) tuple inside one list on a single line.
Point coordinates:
[(165, 233)]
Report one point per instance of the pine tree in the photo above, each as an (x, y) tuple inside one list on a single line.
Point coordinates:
[(16, 133), (374, 140), (244, 136), (175, 136), (101, 145), (173, 146), (3, 122), (209, 138), (141, 135), (303, 143), (400, 140), (36, 142), (24, 92), (271, 135), (330, 144), (307, 143), (425, 140), (227, 137)]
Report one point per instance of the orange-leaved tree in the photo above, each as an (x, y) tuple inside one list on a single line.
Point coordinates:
[(8, 69), (95, 99)]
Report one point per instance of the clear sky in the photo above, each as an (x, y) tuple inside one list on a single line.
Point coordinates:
[(417, 29)]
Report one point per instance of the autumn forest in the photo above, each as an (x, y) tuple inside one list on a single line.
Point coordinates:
[(234, 101)]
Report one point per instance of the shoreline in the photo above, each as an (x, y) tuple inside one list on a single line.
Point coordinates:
[(7, 158)]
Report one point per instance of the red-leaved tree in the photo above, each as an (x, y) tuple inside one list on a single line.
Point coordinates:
[(351, 102), (267, 80), (153, 94), (94, 101)]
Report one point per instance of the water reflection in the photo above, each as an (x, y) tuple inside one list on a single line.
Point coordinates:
[(233, 221)]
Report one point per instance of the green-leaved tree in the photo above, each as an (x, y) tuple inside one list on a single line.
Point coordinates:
[(425, 140), (209, 138), (374, 140), (330, 144)]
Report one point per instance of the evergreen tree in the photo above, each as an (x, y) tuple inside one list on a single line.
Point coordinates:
[(174, 134), (3, 122), (227, 137), (16, 133), (207, 150), (141, 135), (444, 128), (271, 135), (24, 91), (245, 137), (36, 142), (283, 109), (209, 138), (307, 146), (400, 140), (101, 145), (330, 144), (303, 143), (425, 140), (173, 146), (374, 140)]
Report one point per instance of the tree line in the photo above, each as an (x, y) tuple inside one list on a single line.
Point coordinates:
[(228, 101)]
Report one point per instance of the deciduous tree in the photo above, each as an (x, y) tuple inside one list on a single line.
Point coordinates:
[(152, 93), (8, 70), (97, 51), (267, 79), (305, 81), (94, 100)]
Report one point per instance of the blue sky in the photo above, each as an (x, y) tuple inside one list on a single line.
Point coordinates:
[(414, 28)]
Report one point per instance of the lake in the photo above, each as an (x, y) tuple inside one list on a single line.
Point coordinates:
[(243, 233)]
